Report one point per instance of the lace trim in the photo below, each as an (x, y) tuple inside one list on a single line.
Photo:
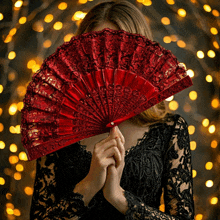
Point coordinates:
[(128, 151)]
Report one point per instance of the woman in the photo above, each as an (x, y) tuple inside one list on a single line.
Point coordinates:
[(121, 174)]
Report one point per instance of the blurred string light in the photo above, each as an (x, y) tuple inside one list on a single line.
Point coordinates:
[(51, 21)]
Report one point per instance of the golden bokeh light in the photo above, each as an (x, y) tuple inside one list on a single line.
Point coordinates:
[(147, 2), (18, 4), (8, 196), (35, 68), (62, 6), (8, 39), (214, 31), (181, 12), (170, 2), (13, 159), (209, 183), (190, 73), (12, 109), (23, 156), (2, 144), (174, 38), (215, 13), (214, 200), (198, 216), (215, 103), (38, 26), (2, 181), (170, 98), (19, 167), (187, 107), (208, 78), (11, 76), (162, 207), (10, 205), (28, 190), (47, 43), (191, 129), (209, 165), (1, 88), (68, 37), (58, 25), (207, 8), (165, 20), (211, 53), (48, 18), (17, 176), (31, 63), (181, 43), (82, 1), (211, 129), (18, 129), (214, 144), (13, 148), (13, 31), (192, 145), (167, 39), (194, 173), (193, 95), (200, 54), (17, 212), (182, 65), (21, 90), (1, 127), (1, 16), (205, 122), (22, 20), (78, 15), (9, 211), (173, 105), (20, 105), (216, 45), (1, 111), (11, 55)]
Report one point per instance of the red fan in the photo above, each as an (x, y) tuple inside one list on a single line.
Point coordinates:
[(96, 81)]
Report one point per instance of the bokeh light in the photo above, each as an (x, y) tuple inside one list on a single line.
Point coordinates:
[(30, 33), (192, 145), (209, 183), (181, 12)]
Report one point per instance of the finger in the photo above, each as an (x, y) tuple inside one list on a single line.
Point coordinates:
[(99, 149), (113, 152), (121, 147), (120, 134), (109, 161)]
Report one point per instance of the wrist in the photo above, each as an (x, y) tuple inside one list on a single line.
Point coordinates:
[(84, 188), (119, 201)]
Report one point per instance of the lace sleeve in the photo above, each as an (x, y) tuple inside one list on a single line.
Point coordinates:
[(177, 182), (45, 204)]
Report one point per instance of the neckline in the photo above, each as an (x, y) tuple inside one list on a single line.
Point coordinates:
[(132, 148), (127, 152)]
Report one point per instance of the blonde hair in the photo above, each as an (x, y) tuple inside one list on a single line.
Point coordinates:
[(129, 18)]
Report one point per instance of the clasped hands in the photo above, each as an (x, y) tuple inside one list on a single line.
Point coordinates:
[(106, 167), (112, 189)]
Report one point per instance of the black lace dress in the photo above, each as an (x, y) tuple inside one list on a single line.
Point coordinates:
[(161, 160)]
